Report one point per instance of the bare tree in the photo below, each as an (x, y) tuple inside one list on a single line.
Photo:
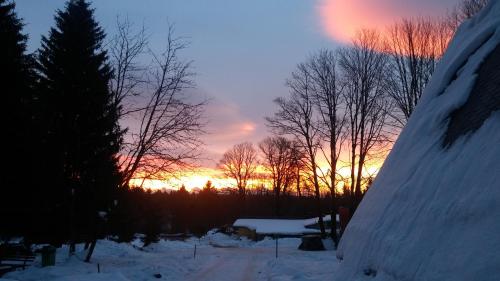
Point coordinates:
[(415, 45), (299, 159), (279, 162), (327, 94), (296, 117), (364, 75), (170, 121), (240, 163), (125, 50), (464, 10)]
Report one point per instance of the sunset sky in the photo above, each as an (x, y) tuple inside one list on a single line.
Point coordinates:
[(242, 50)]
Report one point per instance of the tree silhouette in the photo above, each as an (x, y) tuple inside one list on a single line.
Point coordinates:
[(327, 92), (279, 161), (296, 117), (415, 47), (82, 133), (16, 80), (170, 121), (364, 73), (239, 163), (464, 10)]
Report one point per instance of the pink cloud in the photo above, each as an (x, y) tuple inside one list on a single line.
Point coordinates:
[(227, 126), (341, 19)]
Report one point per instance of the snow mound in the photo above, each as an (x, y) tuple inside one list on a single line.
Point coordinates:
[(164, 245), (221, 240), (433, 213)]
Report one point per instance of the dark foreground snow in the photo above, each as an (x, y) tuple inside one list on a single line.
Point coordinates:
[(218, 258)]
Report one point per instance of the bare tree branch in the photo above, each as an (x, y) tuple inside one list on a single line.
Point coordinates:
[(415, 45), (240, 163), (295, 117), (464, 10), (126, 48), (364, 69), (170, 123), (280, 160)]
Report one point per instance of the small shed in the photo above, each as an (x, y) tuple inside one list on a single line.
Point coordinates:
[(257, 229)]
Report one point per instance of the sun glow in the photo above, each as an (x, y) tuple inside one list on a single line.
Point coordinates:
[(196, 179), (342, 19), (191, 179)]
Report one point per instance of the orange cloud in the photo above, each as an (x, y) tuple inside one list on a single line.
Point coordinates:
[(341, 19)]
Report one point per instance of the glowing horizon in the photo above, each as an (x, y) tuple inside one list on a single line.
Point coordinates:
[(195, 179)]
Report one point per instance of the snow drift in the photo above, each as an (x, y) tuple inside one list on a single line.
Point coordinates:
[(433, 213)]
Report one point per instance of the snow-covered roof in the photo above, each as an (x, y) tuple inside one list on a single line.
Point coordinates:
[(433, 212), (280, 226)]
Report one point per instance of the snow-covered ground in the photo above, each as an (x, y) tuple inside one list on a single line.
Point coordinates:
[(218, 257)]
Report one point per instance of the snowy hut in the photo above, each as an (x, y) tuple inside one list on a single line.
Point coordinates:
[(433, 212), (256, 229)]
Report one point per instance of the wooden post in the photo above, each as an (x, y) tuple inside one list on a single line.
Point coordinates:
[(276, 246), (91, 250)]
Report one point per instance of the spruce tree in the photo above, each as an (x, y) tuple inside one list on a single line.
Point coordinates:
[(16, 78), (83, 134)]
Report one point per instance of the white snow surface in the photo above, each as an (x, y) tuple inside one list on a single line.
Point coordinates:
[(271, 226), (239, 259), (434, 213), (280, 226)]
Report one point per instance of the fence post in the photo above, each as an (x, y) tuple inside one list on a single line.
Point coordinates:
[(276, 237)]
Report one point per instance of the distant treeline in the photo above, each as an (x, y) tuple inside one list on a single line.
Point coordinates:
[(154, 212)]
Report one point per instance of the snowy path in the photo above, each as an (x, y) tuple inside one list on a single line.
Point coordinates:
[(234, 264)]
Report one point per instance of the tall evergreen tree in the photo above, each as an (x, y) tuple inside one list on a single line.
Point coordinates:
[(82, 134), (16, 80)]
